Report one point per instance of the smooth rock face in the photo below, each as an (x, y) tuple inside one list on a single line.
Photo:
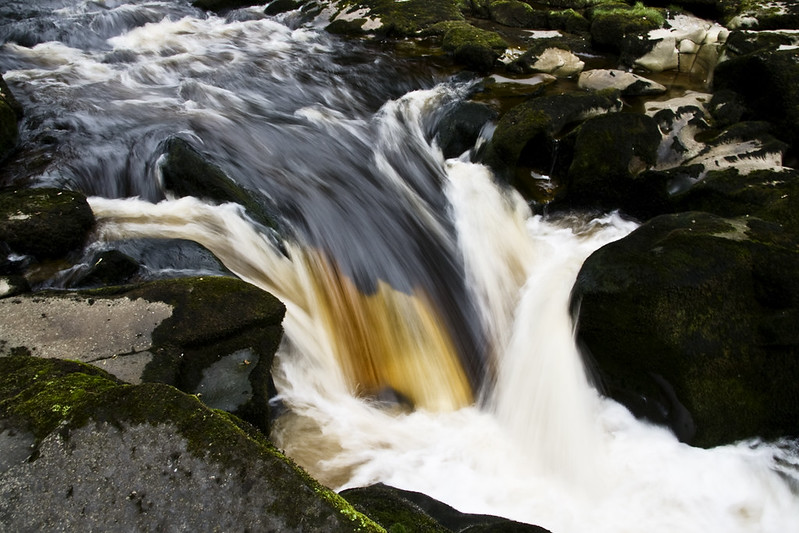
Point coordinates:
[(627, 83)]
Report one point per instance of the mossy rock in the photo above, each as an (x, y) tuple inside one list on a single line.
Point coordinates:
[(568, 20), (187, 172), (513, 13), (459, 127), (689, 321), (528, 136), (771, 195), (404, 511), (408, 18), (470, 46), (146, 456), (623, 29), (214, 335), (769, 85), (46, 223), (611, 152)]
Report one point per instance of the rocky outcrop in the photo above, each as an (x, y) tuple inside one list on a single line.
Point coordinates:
[(214, 336), (690, 320), (80, 450), (44, 223)]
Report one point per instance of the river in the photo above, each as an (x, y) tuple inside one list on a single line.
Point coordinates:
[(409, 279)]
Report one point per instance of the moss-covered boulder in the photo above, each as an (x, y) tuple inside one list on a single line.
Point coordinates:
[(690, 321), (528, 136), (396, 19), (402, 510), (611, 152), (10, 113), (769, 84), (213, 336), (45, 223), (469, 46), (622, 29), (513, 13), (84, 452)]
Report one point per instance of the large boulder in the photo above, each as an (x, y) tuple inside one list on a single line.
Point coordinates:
[(527, 137), (212, 336), (610, 154), (45, 223), (472, 47), (769, 84), (690, 321), (81, 451)]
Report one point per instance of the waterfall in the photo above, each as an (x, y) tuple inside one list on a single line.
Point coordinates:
[(428, 342)]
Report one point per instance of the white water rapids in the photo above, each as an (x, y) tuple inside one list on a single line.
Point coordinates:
[(370, 199)]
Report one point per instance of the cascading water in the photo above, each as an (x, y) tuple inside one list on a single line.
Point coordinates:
[(407, 278)]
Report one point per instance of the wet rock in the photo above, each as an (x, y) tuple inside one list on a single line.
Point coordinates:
[(627, 83), (621, 29), (281, 6), (511, 13), (460, 127), (187, 172), (224, 5), (610, 153), (111, 267), (469, 46), (45, 223), (552, 60), (690, 321), (167, 331), (10, 114), (98, 454), (768, 82), (528, 135), (766, 16), (402, 510)]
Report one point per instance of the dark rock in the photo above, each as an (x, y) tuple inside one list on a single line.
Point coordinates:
[(769, 85), (726, 107), (692, 314), (623, 29), (512, 13), (10, 114), (111, 267), (459, 128), (402, 510), (281, 6), (741, 42), (770, 195), (610, 153), (103, 455), (187, 172), (224, 5), (179, 332), (471, 47), (528, 136), (45, 223), (568, 20)]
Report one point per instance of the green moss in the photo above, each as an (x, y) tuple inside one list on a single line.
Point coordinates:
[(410, 17), (45, 393), (637, 11)]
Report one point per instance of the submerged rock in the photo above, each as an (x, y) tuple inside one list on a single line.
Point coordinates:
[(10, 113), (627, 83), (690, 321), (168, 331), (82, 451)]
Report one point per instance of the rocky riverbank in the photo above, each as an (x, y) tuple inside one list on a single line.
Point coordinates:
[(683, 118)]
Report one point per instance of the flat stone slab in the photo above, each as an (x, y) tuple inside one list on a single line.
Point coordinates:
[(113, 334)]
